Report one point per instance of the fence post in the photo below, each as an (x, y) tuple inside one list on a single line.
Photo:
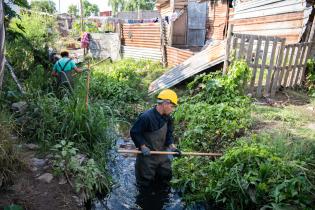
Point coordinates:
[(2, 38), (163, 44), (227, 48)]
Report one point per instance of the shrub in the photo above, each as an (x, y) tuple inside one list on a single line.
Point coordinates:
[(123, 85), (89, 177), (215, 111)]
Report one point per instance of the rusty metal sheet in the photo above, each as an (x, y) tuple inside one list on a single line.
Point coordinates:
[(176, 56), (211, 56), (141, 53)]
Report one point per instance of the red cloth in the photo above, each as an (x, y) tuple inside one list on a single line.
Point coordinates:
[(85, 41)]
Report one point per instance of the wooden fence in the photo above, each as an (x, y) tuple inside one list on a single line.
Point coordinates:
[(273, 64)]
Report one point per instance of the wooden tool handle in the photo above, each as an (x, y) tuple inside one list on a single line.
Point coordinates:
[(169, 153)]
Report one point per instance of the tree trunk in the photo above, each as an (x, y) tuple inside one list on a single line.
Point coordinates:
[(2, 38)]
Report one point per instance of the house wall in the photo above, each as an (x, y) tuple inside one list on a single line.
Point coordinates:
[(176, 56), (146, 35), (217, 19), (165, 9), (141, 41), (285, 19)]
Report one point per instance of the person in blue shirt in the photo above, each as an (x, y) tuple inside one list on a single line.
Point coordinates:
[(63, 70), (153, 131)]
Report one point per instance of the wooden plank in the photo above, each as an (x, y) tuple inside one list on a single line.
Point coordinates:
[(234, 45), (296, 59), (262, 69), (278, 67), (252, 83), (283, 64), (308, 51), (300, 53), (227, 49), (242, 43), (250, 49), (288, 72), (270, 69), (301, 64)]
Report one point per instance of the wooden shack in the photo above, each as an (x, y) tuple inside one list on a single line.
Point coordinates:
[(191, 23)]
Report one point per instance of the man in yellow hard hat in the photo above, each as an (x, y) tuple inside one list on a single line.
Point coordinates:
[(152, 131)]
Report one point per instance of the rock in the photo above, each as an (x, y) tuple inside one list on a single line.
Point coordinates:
[(14, 137), (49, 156), (62, 180), (19, 107), (32, 146), (46, 177), (78, 200), (38, 162), (34, 169)]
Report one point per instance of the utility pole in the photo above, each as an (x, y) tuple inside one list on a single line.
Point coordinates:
[(59, 7), (81, 18), (2, 38)]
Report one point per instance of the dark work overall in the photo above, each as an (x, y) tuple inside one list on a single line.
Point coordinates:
[(154, 167)]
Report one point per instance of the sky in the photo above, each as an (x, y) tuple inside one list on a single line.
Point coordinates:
[(64, 4)]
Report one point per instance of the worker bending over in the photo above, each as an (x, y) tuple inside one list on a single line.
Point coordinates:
[(64, 69)]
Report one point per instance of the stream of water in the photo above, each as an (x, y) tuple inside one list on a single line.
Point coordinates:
[(124, 193)]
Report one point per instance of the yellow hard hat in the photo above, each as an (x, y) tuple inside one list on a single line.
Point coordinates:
[(168, 94)]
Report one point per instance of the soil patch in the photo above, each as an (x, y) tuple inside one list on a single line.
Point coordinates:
[(32, 193)]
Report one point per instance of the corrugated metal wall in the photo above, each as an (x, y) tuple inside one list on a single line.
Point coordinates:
[(285, 19), (141, 40), (146, 35), (176, 56), (146, 14), (141, 53), (217, 19)]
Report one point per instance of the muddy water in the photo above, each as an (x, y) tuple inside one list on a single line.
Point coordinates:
[(125, 194)]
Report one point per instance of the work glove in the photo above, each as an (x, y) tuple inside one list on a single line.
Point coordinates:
[(145, 151), (179, 153)]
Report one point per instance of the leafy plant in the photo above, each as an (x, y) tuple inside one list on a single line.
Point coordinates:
[(89, 178), (248, 176), (310, 79), (216, 111)]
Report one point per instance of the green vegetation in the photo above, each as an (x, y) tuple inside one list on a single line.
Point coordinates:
[(216, 111), (10, 160), (60, 121), (132, 5), (270, 169), (44, 6), (310, 80)]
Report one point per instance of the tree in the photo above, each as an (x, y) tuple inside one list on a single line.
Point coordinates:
[(73, 10), (2, 38), (131, 5), (44, 6), (6, 14), (90, 9)]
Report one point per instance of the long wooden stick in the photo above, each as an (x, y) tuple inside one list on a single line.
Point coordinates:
[(87, 87), (169, 153)]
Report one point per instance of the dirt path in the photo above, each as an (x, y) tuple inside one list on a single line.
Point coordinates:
[(33, 193)]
